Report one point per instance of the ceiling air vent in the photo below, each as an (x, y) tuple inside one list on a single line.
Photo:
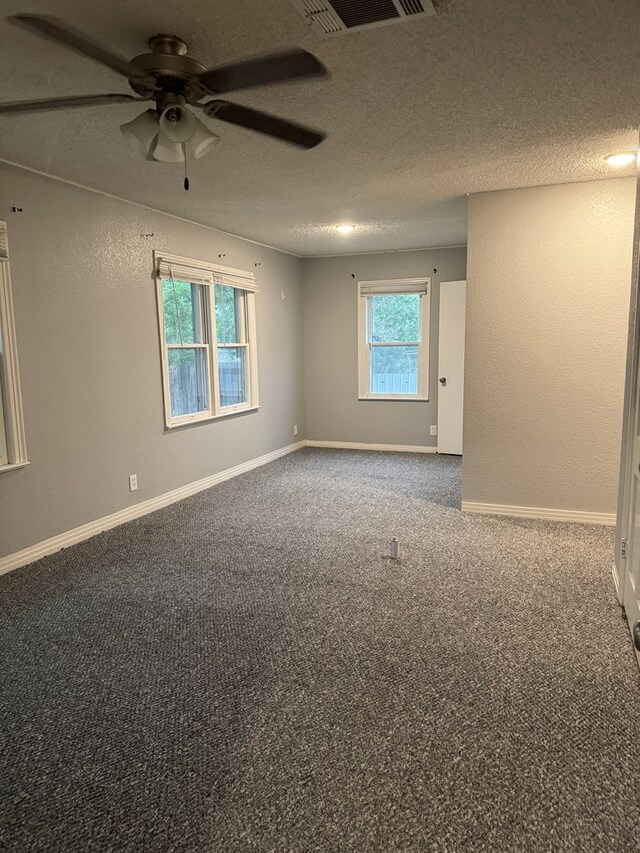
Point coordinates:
[(333, 17)]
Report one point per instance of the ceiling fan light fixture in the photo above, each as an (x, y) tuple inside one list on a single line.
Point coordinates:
[(142, 131), (164, 139)]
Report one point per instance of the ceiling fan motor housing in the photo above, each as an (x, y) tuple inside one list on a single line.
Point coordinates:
[(169, 66), (165, 43)]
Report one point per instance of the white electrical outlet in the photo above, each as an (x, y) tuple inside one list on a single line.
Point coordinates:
[(133, 482), (434, 429), (295, 429)]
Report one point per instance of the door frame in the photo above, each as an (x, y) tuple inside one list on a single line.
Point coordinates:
[(631, 411)]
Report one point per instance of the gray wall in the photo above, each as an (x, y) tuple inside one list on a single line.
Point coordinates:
[(333, 411), (90, 362), (549, 277)]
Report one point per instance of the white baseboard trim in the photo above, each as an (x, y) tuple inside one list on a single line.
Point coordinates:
[(85, 531), (569, 515), (358, 445)]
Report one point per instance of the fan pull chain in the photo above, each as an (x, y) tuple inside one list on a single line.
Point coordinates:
[(186, 174)]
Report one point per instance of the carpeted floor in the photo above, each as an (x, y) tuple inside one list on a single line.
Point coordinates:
[(245, 671)]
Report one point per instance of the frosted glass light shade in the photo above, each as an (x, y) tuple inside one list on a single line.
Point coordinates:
[(142, 131), (177, 124), (168, 152), (202, 140)]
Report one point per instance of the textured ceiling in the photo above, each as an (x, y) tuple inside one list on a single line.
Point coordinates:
[(490, 94)]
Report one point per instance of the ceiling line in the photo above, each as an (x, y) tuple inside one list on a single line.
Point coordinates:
[(383, 252), (145, 206), (51, 177)]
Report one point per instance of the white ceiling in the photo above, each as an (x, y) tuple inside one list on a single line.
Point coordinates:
[(490, 94)]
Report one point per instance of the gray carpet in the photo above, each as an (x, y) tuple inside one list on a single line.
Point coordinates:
[(244, 671)]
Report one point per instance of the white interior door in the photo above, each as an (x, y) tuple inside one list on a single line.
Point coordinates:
[(453, 302)]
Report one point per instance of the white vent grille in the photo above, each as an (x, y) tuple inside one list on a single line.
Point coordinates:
[(4, 242), (333, 17), (412, 7), (320, 16)]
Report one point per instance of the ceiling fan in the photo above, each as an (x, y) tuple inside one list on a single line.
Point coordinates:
[(174, 80)]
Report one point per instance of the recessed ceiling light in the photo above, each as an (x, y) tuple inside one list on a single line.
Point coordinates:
[(345, 229), (624, 158)]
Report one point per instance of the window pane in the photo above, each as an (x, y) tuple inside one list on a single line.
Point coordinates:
[(181, 303), (395, 317), (232, 372), (229, 307), (188, 382), (394, 370)]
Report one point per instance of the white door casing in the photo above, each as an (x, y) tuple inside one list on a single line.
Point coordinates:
[(631, 594), (627, 571), (453, 301)]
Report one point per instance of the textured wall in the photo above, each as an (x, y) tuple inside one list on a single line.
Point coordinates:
[(90, 363), (333, 412), (547, 307)]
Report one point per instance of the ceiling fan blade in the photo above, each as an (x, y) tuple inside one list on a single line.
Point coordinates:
[(296, 134), (62, 103), (51, 28), (261, 71)]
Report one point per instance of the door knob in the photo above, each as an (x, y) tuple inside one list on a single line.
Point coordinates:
[(636, 635), (443, 380)]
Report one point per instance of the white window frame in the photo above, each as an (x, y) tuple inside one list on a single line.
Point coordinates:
[(12, 431), (387, 287), (208, 275)]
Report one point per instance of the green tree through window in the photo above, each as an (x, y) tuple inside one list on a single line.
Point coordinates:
[(395, 318)]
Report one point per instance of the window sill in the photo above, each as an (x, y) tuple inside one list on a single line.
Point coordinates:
[(13, 466), (395, 398), (208, 420)]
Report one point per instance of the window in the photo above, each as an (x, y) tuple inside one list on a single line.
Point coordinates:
[(13, 451), (393, 339), (207, 331)]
